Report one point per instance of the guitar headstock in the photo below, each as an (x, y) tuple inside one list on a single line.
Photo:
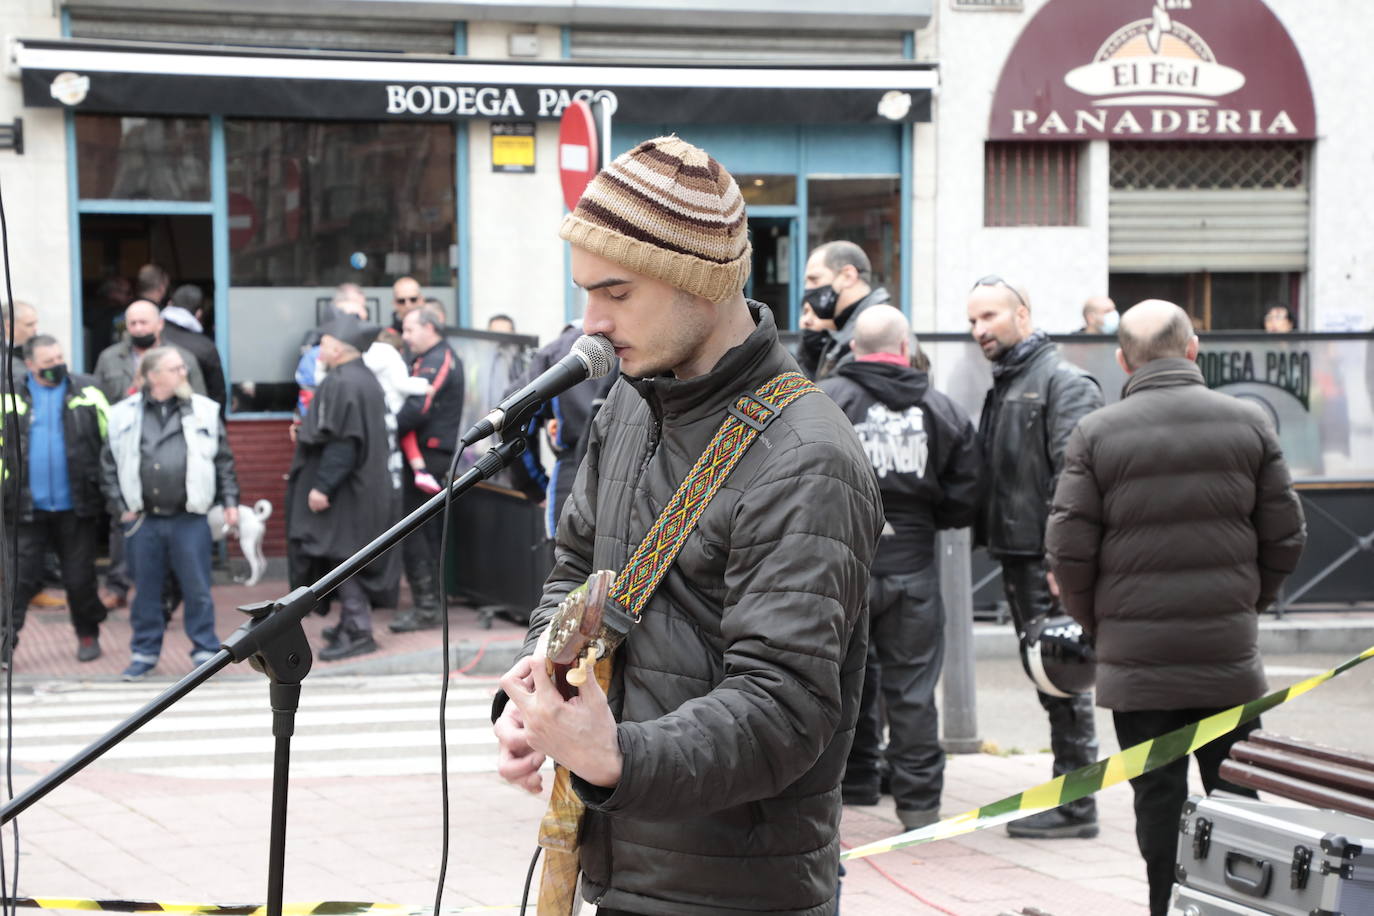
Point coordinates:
[(577, 631)]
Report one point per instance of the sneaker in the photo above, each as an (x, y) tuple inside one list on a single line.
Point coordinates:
[(425, 482), (201, 656), (137, 671), (348, 645), (87, 648), (112, 599), (47, 601), (331, 634), (1054, 824)]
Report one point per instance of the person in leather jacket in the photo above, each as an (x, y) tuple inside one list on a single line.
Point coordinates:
[(1035, 402), (838, 289)]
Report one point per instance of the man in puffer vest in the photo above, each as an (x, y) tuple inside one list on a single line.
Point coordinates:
[(166, 462)]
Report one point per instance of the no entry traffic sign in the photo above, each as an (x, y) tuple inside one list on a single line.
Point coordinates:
[(578, 153)]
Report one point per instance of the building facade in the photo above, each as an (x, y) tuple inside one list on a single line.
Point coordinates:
[(268, 151)]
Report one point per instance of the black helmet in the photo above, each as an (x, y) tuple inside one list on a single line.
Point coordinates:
[(1058, 656)]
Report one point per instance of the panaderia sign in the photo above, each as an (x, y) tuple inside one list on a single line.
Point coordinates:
[(1153, 70)]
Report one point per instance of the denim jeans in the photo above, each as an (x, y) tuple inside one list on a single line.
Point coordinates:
[(180, 543)]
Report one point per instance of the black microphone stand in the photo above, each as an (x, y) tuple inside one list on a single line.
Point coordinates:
[(274, 643)]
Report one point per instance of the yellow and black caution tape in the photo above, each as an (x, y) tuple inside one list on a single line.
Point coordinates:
[(326, 908), (1127, 764)]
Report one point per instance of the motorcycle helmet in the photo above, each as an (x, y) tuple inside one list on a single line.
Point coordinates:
[(1058, 656)]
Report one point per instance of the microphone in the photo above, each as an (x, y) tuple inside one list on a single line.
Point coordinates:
[(591, 357)]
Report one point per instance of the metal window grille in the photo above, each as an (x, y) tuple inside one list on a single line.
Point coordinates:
[(1208, 166), (986, 4), (1030, 184)]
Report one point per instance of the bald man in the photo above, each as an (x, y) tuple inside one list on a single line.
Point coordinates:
[(25, 327), (924, 451), (1099, 316), (406, 297), (1173, 524), (1037, 398), (117, 365)]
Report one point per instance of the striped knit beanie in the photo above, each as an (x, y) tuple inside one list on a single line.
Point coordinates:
[(667, 210)]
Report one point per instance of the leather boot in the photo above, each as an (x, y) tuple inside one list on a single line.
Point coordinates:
[(349, 644), (416, 618)]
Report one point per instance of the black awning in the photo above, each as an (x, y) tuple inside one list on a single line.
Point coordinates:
[(156, 79)]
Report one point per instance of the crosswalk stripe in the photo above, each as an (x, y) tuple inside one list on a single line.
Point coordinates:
[(381, 725), (305, 720)]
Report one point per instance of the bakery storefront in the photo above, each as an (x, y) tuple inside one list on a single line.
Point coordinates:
[(1210, 123)]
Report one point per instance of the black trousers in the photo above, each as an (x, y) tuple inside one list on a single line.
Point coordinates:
[(420, 551), (1160, 794), (906, 650), (74, 540), (1073, 732)]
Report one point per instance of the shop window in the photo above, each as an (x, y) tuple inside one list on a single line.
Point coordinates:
[(1208, 166), (768, 190), (315, 204), (866, 211), (1031, 184), (123, 158), (1216, 301)]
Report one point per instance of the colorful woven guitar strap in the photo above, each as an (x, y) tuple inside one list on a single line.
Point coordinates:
[(750, 415)]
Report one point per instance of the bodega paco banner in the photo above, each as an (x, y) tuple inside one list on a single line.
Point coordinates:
[(157, 79)]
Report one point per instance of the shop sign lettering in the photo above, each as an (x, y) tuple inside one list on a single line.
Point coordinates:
[(488, 101), (1289, 371)]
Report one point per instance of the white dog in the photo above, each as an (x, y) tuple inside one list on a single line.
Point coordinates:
[(252, 524)]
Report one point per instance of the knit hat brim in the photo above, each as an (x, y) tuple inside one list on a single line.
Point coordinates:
[(715, 282)]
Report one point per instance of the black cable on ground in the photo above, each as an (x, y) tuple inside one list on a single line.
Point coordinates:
[(529, 878), (443, 689)]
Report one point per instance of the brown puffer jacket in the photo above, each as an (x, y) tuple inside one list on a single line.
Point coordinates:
[(738, 690), (1173, 523)]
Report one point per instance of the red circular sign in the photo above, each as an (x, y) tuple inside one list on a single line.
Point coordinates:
[(577, 151), (243, 220)]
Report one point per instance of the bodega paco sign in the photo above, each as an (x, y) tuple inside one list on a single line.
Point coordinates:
[(1153, 70), (1278, 380)]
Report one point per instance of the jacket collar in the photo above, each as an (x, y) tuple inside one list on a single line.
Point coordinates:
[(1163, 373), (743, 368), (1026, 352)]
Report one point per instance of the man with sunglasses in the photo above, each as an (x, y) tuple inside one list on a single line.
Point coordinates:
[(1036, 400), (406, 297)]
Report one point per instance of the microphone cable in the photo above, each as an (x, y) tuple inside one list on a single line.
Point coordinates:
[(9, 553)]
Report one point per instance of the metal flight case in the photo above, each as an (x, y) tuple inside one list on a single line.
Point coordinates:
[(1276, 859)]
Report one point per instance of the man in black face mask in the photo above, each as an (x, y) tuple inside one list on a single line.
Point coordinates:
[(117, 364), (59, 420), (838, 276)]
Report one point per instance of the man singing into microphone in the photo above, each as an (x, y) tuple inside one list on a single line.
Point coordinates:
[(710, 769)]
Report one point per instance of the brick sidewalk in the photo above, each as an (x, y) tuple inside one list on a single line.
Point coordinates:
[(111, 833)]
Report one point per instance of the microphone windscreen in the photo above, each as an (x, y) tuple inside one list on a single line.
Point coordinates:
[(597, 352)]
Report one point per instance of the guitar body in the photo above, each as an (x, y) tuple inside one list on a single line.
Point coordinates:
[(579, 643)]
